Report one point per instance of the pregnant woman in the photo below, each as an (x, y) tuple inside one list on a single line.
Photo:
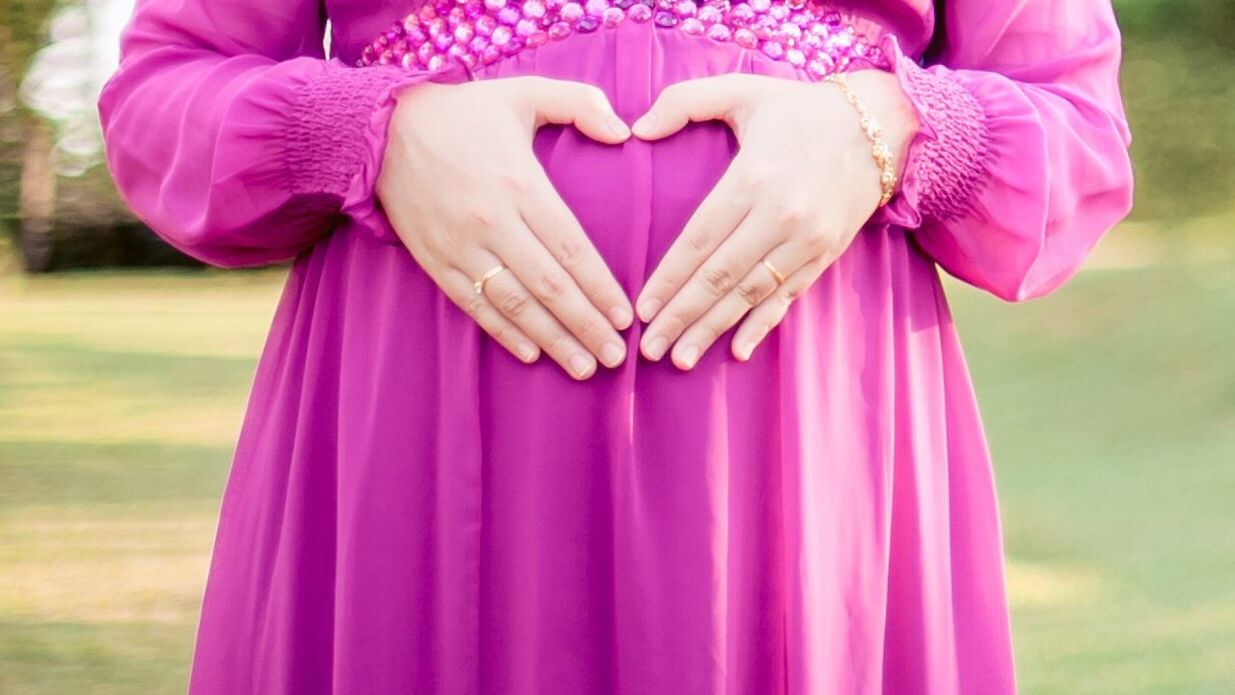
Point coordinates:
[(614, 356)]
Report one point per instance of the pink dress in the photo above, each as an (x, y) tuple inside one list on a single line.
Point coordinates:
[(413, 510)]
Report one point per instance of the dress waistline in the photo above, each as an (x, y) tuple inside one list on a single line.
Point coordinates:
[(804, 33)]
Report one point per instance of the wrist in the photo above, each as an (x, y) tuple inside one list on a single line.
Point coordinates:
[(887, 101)]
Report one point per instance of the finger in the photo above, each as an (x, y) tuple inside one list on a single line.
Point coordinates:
[(556, 291), (756, 235), (757, 286), (700, 99), (552, 221), (771, 311), (711, 223), (458, 287), (508, 293), (584, 105)]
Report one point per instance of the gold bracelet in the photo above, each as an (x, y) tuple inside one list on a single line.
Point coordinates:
[(874, 132)]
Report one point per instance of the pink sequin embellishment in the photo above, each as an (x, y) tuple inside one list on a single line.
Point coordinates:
[(803, 33)]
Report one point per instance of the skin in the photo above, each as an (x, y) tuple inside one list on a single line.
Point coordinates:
[(800, 188)]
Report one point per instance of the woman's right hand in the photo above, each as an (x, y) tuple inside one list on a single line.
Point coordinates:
[(463, 189)]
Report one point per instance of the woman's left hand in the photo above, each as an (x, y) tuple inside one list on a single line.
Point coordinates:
[(801, 186)]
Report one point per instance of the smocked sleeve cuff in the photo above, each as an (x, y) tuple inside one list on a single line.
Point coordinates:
[(948, 158), (336, 134)]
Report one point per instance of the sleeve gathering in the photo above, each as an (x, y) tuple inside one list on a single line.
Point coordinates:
[(230, 133), (1021, 163)]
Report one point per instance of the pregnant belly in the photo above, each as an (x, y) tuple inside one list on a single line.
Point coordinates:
[(634, 198)]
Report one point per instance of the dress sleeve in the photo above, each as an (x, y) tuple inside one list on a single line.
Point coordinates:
[(228, 131), (1022, 162)]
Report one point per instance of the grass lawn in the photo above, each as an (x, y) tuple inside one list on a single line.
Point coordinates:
[(1110, 407)]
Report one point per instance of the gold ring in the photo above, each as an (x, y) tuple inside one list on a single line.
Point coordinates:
[(479, 285), (780, 279)]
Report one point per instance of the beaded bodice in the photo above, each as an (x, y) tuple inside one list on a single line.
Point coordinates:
[(804, 33)]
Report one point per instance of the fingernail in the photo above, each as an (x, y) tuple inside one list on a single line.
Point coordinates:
[(611, 353), (580, 364), (526, 351), (689, 354), (745, 349), (648, 308), (619, 127), (620, 316), (645, 124), (657, 346)]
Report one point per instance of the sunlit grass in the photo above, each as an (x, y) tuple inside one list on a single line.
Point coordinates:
[(1110, 407)]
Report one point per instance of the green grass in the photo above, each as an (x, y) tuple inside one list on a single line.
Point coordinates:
[(1110, 407)]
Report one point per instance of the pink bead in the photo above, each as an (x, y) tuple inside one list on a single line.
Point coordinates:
[(719, 32), (501, 36), (509, 15), (612, 17), (803, 34), (526, 28)]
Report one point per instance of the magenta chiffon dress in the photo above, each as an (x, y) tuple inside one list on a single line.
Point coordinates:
[(413, 510)]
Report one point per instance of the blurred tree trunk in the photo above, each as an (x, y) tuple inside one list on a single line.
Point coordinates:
[(23, 29), (37, 210)]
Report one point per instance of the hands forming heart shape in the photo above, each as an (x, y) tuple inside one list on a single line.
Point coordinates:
[(801, 186)]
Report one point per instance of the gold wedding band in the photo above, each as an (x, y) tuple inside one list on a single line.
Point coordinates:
[(479, 285), (780, 279)]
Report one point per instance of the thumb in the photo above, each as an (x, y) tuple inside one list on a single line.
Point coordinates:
[(581, 104), (700, 99)]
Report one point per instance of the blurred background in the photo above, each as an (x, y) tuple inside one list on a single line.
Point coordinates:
[(1110, 405)]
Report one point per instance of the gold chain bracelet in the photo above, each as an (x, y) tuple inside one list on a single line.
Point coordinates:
[(874, 132)]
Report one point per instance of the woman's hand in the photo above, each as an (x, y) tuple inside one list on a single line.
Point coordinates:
[(463, 189), (801, 186)]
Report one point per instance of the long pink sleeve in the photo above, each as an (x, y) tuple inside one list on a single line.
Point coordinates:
[(229, 133), (1022, 163)]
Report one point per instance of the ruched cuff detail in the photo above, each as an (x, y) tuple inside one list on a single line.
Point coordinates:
[(337, 134), (951, 153)]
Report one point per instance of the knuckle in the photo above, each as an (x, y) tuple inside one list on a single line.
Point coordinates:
[(718, 281), (588, 332), (571, 250), (482, 217), (513, 183), (513, 302), (551, 284), (750, 292), (791, 213), (474, 305), (699, 239)]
